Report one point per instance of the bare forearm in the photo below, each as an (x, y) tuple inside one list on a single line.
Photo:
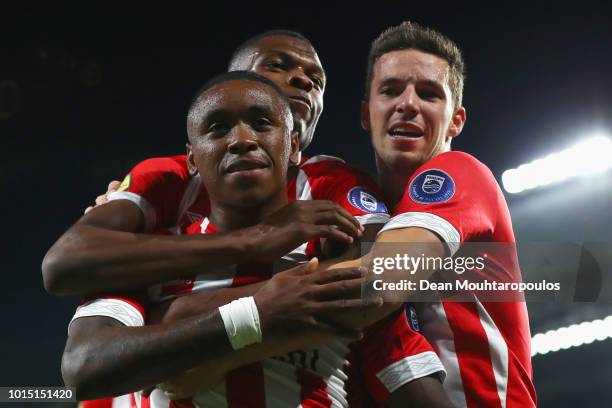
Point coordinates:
[(91, 259), (113, 359)]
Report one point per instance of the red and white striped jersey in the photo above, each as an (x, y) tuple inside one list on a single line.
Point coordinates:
[(171, 198), (313, 377), (484, 346)]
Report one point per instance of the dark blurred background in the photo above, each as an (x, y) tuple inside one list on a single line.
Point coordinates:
[(88, 91)]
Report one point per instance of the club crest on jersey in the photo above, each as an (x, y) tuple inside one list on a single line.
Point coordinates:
[(125, 184), (360, 198), (412, 317), (432, 186)]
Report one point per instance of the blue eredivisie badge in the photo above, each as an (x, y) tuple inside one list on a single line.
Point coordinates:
[(432, 186), (412, 317), (365, 201)]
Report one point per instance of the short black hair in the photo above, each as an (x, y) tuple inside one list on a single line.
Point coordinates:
[(237, 76), (256, 38), (410, 35)]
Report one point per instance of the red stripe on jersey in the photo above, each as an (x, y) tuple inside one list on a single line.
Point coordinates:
[(145, 402), (99, 403), (185, 403), (245, 387), (251, 273), (313, 390), (473, 354)]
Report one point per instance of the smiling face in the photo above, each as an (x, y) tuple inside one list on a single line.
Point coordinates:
[(295, 67), (410, 110), (241, 142)]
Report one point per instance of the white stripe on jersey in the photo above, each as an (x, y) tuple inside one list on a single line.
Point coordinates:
[(321, 158), (374, 218), (147, 209), (189, 196), (499, 352), (302, 186), (115, 308), (410, 368), (432, 222), (435, 327)]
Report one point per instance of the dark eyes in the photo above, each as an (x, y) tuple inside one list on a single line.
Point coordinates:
[(262, 123), (388, 91), (276, 65), (217, 127), (427, 94), (221, 128)]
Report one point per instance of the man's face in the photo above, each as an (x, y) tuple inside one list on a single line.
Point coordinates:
[(410, 113), (240, 142), (295, 67)]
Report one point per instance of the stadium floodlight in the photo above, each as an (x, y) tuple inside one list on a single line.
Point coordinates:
[(572, 336), (591, 156)]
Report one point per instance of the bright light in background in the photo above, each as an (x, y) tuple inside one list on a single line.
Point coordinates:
[(572, 336), (591, 156)]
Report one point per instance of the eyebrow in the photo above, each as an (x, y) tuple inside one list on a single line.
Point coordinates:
[(313, 66), (428, 82), (220, 113)]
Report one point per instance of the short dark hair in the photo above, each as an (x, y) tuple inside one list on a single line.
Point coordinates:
[(237, 76), (409, 35), (249, 43)]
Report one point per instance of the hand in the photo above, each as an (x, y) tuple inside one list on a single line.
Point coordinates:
[(291, 300), (298, 222), (102, 199)]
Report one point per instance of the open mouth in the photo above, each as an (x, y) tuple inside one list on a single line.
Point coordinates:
[(405, 130)]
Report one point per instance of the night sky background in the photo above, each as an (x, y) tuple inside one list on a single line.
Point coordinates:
[(86, 92)]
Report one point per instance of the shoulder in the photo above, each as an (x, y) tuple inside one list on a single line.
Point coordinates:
[(325, 165), (169, 164)]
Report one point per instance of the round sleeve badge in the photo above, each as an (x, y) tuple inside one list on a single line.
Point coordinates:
[(361, 199), (432, 186)]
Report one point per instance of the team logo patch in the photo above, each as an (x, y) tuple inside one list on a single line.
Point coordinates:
[(365, 201), (412, 318), (432, 186), (125, 184)]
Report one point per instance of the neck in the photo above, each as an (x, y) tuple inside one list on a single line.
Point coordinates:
[(393, 181), (229, 217)]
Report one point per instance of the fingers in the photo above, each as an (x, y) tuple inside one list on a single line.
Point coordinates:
[(344, 289), (113, 186), (304, 269), (88, 209), (101, 199), (335, 275), (330, 232), (342, 223), (331, 213)]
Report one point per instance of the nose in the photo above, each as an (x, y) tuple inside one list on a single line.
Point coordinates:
[(299, 79), (408, 102), (243, 140)]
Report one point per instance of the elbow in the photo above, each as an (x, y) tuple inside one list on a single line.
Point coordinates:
[(74, 375), (54, 273), (77, 375)]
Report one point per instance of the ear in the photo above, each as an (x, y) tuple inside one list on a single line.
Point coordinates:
[(456, 123), (365, 115), (294, 157), (193, 170)]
